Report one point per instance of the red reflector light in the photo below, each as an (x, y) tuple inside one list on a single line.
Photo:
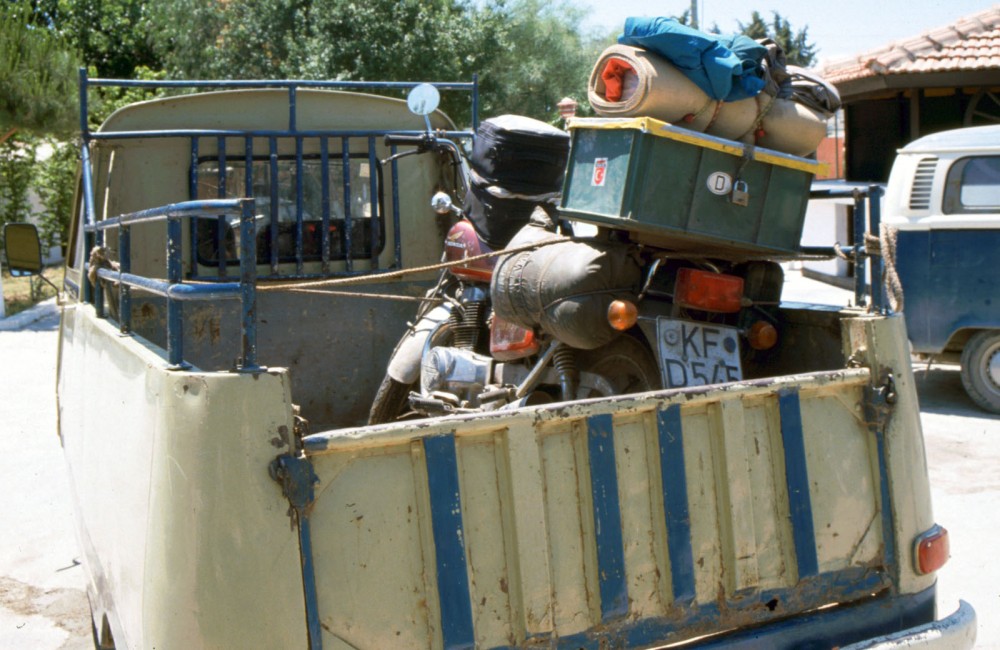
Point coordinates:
[(931, 550), (708, 291), (509, 341)]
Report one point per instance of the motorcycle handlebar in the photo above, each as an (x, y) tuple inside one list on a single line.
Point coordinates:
[(416, 140)]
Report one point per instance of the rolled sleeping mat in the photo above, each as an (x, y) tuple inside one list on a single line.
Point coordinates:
[(629, 81), (792, 127)]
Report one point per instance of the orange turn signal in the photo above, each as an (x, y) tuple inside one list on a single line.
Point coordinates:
[(622, 314), (762, 335), (931, 550)]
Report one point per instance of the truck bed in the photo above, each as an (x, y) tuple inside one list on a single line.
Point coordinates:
[(632, 521)]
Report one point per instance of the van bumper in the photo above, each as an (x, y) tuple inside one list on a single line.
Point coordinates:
[(957, 631)]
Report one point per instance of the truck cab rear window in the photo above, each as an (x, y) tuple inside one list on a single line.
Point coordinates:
[(349, 223)]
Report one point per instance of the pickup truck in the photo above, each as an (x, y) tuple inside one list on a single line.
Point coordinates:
[(240, 268)]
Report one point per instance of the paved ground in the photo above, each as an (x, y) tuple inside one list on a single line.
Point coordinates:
[(42, 602)]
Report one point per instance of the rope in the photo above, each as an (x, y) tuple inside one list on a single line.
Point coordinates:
[(715, 115), (691, 117), (761, 113), (100, 258), (313, 285), (355, 294), (887, 245)]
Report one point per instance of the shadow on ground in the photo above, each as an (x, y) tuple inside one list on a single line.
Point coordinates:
[(940, 390)]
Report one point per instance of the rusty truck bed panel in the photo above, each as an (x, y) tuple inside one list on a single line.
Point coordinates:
[(641, 519)]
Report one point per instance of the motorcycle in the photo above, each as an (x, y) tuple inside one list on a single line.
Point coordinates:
[(529, 314)]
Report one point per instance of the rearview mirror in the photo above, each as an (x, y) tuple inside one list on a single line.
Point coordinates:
[(423, 99), (23, 249)]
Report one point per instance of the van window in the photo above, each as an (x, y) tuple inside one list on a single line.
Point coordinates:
[(973, 185), (362, 206)]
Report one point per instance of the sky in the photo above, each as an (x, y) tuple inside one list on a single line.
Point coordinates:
[(839, 28)]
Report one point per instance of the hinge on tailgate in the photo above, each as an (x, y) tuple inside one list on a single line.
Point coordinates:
[(881, 399), (296, 476)]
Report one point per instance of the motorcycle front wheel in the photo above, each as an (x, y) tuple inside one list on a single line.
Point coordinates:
[(390, 401)]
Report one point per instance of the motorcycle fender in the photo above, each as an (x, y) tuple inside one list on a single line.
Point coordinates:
[(404, 366)]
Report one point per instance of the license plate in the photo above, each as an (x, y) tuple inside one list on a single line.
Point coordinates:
[(697, 354)]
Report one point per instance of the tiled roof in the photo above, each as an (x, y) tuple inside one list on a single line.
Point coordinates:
[(970, 43)]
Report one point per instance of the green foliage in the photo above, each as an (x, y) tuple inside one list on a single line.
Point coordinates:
[(55, 184), (105, 100), (17, 162), (798, 50), (529, 54), (37, 75), (111, 36)]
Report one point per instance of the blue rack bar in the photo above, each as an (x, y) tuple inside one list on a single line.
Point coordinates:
[(324, 162), (272, 83), (173, 288), (867, 221), (879, 300), (376, 231), (193, 195), (220, 222), (345, 158), (245, 290), (299, 198), (275, 201), (125, 290), (860, 261), (175, 309), (258, 133)]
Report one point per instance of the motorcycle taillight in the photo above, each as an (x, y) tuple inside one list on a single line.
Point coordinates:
[(463, 242), (708, 291), (509, 341)]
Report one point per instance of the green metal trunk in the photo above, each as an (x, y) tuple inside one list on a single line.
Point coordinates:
[(678, 189)]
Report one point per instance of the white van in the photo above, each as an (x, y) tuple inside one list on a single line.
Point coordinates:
[(943, 202)]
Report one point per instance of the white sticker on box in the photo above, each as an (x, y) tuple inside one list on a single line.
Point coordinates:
[(719, 183), (600, 172)]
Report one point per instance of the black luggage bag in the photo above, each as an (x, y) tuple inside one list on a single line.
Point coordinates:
[(520, 154)]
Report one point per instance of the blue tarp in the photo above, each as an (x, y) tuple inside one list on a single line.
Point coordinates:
[(725, 67)]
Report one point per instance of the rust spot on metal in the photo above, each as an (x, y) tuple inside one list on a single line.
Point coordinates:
[(503, 585), (206, 325)]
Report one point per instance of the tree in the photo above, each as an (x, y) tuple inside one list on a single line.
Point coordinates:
[(529, 53), (55, 187), (111, 36), (37, 76), (798, 50)]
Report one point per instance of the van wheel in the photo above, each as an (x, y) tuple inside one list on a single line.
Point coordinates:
[(981, 370)]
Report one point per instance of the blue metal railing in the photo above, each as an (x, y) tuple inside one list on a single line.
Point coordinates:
[(173, 288), (867, 221), (219, 284)]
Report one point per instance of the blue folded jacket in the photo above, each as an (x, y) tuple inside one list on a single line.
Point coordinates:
[(726, 67)]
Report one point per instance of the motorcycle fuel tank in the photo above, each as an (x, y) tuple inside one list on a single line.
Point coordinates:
[(462, 242)]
